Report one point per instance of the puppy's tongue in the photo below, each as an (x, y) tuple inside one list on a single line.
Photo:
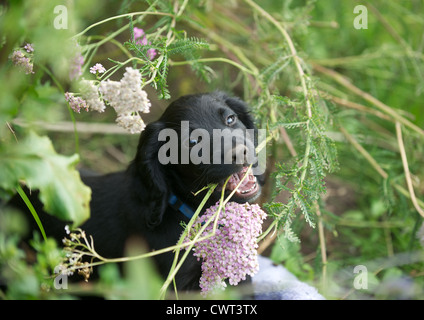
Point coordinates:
[(248, 184)]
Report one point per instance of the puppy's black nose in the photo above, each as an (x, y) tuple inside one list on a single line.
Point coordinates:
[(239, 154)]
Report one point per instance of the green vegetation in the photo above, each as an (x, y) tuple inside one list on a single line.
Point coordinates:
[(342, 105)]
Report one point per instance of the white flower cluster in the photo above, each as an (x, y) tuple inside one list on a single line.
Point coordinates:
[(131, 122), (89, 93), (74, 256), (125, 96), (97, 68), (128, 99)]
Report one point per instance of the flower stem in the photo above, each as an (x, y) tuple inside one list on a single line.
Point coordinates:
[(132, 14), (406, 169), (188, 246), (218, 59), (296, 58)]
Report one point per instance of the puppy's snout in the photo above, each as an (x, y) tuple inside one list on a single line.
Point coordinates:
[(234, 148), (240, 154)]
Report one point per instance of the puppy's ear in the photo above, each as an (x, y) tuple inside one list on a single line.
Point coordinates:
[(241, 109), (149, 180)]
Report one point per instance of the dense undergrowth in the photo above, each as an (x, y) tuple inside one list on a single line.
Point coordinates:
[(341, 104)]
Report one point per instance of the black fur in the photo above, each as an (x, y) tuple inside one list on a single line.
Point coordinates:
[(135, 201)]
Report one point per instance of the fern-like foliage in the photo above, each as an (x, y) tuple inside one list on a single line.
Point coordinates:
[(182, 46), (302, 176), (166, 46)]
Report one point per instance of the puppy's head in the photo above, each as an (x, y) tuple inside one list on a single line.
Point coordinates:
[(200, 139)]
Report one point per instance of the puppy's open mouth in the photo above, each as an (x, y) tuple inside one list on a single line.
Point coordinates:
[(248, 187)]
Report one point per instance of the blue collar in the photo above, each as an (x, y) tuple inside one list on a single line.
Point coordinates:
[(177, 204)]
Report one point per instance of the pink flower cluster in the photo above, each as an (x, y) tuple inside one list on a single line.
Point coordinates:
[(230, 253), (97, 68), (76, 103), (22, 60), (140, 38), (29, 47)]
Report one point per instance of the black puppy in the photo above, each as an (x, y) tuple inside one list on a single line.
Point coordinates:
[(156, 192)]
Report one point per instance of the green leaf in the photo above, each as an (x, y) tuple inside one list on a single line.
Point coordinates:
[(32, 210), (183, 45), (272, 72), (141, 273), (288, 125), (34, 161)]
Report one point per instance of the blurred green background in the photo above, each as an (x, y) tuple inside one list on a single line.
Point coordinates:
[(366, 218)]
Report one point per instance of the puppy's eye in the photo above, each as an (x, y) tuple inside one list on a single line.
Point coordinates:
[(231, 119), (192, 142)]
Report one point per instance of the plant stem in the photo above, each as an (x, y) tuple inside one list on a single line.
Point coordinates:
[(115, 68), (406, 169), (132, 14), (364, 153), (306, 157), (188, 246), (229, 46), (174, 267), (377, 167), (296, 58), (347, 84), (71, 113), (235, 64), (322, 247), (169, 39)]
